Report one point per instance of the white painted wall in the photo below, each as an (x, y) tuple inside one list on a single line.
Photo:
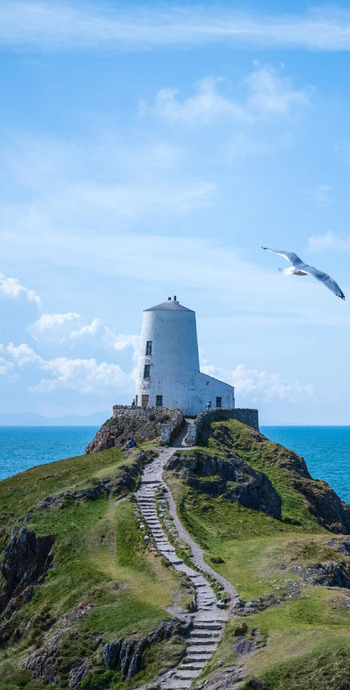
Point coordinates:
[(174, 362)]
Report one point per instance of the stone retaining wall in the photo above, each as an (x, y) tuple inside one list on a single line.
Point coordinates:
[(169, 430), (244, 415)]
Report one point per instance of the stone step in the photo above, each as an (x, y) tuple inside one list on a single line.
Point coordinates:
[(208, 635), (202, 639), (176, 684), (186, 675), (207, 649)]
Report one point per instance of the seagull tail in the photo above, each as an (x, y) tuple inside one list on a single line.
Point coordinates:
[(287, 271)]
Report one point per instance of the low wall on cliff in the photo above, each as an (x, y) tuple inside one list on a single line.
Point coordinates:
[(241, 414), (140, 423)]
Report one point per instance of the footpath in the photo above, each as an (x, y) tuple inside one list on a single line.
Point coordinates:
[(208, 620)]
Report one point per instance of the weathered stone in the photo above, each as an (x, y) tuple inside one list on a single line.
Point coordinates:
[(231, 478), (78, 673), (111, 653), (26, 558), (139, 423), (328, 508), (327, 574)]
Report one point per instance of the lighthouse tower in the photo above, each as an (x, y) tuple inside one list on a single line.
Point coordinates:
[(168, 371)]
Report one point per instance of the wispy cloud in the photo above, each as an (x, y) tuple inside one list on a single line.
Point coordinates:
[(80, 25), (267, 94), (328, 241), (11, 287), (321, 194)]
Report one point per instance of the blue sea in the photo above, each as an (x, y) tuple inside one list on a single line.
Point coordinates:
[(325, 449), (22, 447)]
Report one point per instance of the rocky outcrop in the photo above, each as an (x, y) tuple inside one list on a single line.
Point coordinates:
[(325, 504), (328, 574), (130, 422), (26, 560), (48, 661), (231, 478), (127, 654)]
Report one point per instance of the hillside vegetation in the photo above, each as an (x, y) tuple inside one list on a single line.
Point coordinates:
[(277, 566), (78, 573)]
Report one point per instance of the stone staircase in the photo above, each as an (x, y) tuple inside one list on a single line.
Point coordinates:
[(208, 619)]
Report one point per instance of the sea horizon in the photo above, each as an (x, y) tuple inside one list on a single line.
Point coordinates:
[(325, 448)]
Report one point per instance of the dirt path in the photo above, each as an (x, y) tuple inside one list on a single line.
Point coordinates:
[(208, 620)]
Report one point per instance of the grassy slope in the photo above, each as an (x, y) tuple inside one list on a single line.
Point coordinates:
[(253, 547), (100, 560)]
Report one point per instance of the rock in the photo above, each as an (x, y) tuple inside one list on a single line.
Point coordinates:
[(26, 559), (111, 653), (231, 478), (328, 508), (328, 574), (78, 673), (138, 423), (127, 654)]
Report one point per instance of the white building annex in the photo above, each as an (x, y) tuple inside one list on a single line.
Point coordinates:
[(168, 370)]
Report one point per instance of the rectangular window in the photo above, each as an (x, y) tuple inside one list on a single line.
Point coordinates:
[(218, 402), (159, 400), (136, 400), (147, 371), (149, 347)]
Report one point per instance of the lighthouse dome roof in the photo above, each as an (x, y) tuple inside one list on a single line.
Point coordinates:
[(169, 305)]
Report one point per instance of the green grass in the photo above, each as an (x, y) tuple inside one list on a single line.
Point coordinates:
[(100, 562), (271, 458), (24, 490), (257, 552), (326, 667)]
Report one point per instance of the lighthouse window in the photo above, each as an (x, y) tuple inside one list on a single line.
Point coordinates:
[(218, 402), (147, 371), (149, 347), (159, 400)]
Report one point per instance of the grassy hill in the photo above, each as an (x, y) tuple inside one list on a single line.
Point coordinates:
[(105, 582), (304, 628)]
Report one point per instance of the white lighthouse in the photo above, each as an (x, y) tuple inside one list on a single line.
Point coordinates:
[(168, 371)]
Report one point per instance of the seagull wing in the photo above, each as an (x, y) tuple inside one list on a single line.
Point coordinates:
[(290, 256), (325, 279)]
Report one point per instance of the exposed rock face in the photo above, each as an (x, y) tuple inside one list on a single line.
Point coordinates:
[(46, 662), (325, 504), (328, 574), (26, 559), (137, 422), (127, 654), (231, 478)]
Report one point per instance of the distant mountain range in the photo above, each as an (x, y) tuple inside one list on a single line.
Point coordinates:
[(34, 419)]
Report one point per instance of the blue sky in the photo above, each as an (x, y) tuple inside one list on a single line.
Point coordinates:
[(149, 150)]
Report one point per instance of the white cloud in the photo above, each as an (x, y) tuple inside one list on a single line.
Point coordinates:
[(206, 104), (11, 287), (80, 25), (261, 386), (23, 354), (269, 94), (83, 375), (6, 367), (328, 241), (48, 322)]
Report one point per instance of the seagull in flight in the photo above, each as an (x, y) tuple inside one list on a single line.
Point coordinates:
[(298, 268)]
